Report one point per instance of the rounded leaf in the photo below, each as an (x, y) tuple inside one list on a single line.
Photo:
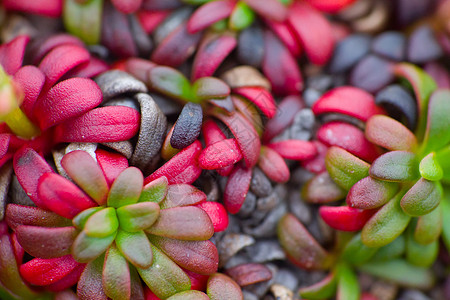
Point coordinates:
[(345, 218), (135, 247), (102, 223), (222, 287), (395, 166), (139, 216), (369, 193), (423, 197), (126, 189)]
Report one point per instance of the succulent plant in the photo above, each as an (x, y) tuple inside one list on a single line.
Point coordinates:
[(106, 229)]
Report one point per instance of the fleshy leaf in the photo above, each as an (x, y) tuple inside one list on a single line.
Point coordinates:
[(217, 213), (207, 88), (236, 188), (259, 96), (126, 189), (84, 19), (395, 166), (79, 221), (189, 295), (220, 285), (102, 223), (273, 165), (430, 169), (369, 193), (446, 220), (322, 189), (345, 218), (27, 215), (220, 154), (301, 248), (294, 149), (323, 289), (394, 250), (135, 247), (249, 273), (85, 248), (116, 275), (90, 284), (386, 224), (164, 277), (437, 133), (347, 284), (184, 223), (85, 171), (345, 168), (390, 134), (155, 191), (200, 257), (355, 252), (182, 195), (418, 254), (112, 164), (209, 14), (46, 242), (170, 82), (139, 216), (429, 226), (242, 17), (422, 198), (400, 272)]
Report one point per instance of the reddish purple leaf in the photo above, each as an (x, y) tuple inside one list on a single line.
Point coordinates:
[(273, 165), (349, 101), (31, 80), (62, 196), (68, 281), (250, 273), (369, 193), (12, 53), (271, 9), (217, 213), (236, 188), (139, 68), (294, 149), (328, 6), (221, 154), (313, 30), (345, 218), (51, 43), (68, 99), (350, 138), (188, 175), (390, 134), (92, 68), (127, 6), (322, 189), (182, 195), (112, 164), (210, 13), (211, 53), (29, 166), (259, 96), (90, 285), (48, 8), (104, 124), (27, 215), (4, 143), (286, 35)]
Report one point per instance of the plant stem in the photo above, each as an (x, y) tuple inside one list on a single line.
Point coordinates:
[(19, 123)]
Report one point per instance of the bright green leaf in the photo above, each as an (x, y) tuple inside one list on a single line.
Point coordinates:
[(171, 82), (422, 197), (79, 221), (347, 284), (241, 17), (116, 275), (155, 191), (86, 249), (139, 216), (430, 169), (84, 19), (395, 166), (355, 252), (391, 251), (437, 133), (324, 289), (127, 188), (102, 223), (418, 254), (429, 226), (135, 247)]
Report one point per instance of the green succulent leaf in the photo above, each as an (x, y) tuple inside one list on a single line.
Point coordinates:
[(370, 193), (86, 248), (437, 133), (347, 284), (102, 223), (164, 277), (345, 168), (390, 134), (386, 224), (429, 226), (322, 189), (207, 88), (446, 220), (418, 254), (443, 159), (79, 221), (155, 191), (171, 82), (241, 17), (189, 295), (324, 289), (135, 247), (355, 252), (116, 275), (391, 251), (127, 188), (422, 197), (84, 19), (401, 272), (139, 216), (395, 166), (90, 284), (430, 169)]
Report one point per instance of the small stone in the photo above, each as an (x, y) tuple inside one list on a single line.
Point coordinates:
[(281, 292), (230, 244), (349, 51), (287, 279), (269, 202), (115, 83), (243, 76), (301, 128), (268, 227), (413, 295), (300, 176), (260, 185), (310, 96), (250, 49), (124, 147), (249, 296), (264, 251), (384, 290), (249, 205), (122, 101), (298, 207), (423, 46)]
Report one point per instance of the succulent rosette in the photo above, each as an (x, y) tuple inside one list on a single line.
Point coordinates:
[(105, 230)]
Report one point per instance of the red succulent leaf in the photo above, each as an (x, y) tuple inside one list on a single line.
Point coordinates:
[(27, 215), (198, 281), (31, 80), (280, 67), (39, 271), (177, 164), (250, 273), (273, 165), (216, 213), (84, 170), (236, 188), (369, 193), (287, 109), (301, 248), (210, 13), (46, 242), (62, 196), (313, 30), (29, 166), (49, 8), (197, 256), (104, 124), (60, 60), (53, 42), (249, 111), (4, 143), (68, 281), (211, 53), (345, 218), (127, 6), (116, 275), (92, 68), (112, 164), (182, 195), (259, 96), (245, 134), (188, 175), (270, 9), (179, 41), (350, 138), (220, 154), (330, 6), (390, 134), (349, 101), (17, 247), (139, 68), (12, 53), (322, 189), (150, 20), (294, 149), (220, 284), (90, 285), (183, 223), (317, 163), (286, 35), (68, 99)]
